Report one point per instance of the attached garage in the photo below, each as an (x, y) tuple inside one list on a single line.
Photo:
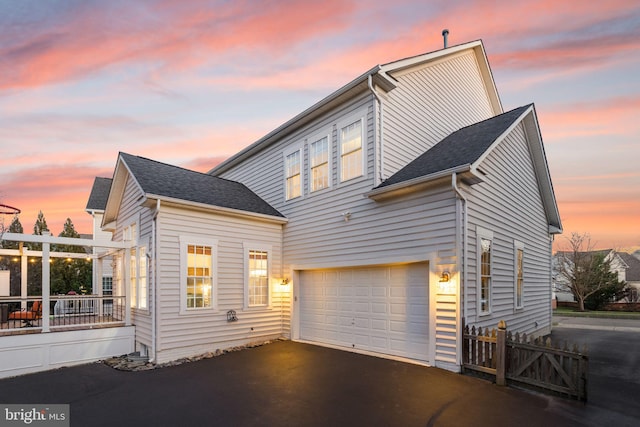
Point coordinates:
[(382, 309)]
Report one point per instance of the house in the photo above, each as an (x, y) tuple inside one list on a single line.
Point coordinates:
[(102, 271), (631, 275), (378, 220)]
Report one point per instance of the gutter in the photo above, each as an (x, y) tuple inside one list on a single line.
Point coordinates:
[(154, 271), (217, 209), (380, 126), (463, 255), (381, 191)]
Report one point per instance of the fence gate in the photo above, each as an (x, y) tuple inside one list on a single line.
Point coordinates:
[(533, 363)]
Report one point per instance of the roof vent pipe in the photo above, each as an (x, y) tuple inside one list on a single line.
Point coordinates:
[(445, 34)]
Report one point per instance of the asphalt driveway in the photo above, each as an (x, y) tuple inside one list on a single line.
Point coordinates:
[(287, 384)]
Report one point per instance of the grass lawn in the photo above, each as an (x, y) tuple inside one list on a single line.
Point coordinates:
[(565, 311)]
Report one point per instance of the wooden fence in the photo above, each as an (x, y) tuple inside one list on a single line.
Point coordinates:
[(533, 363)]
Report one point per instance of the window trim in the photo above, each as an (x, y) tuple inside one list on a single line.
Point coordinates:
[(518, 275), (300, 149), (142, 243), (185, 241), (482, 234), (248, 247), (347, 121), (312, 140)]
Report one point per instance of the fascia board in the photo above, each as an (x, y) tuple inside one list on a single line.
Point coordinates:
[(387, 190), (214, 209)]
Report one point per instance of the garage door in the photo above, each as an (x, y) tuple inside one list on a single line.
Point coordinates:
[(383, 309)]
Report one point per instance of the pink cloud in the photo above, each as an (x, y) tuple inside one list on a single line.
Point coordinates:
[(176, 35)]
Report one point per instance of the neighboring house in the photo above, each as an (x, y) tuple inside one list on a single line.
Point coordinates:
[(631, 275), (617, 265), (378, 220), (102, 271)]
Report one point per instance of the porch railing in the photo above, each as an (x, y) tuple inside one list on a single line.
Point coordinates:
[(65, 312)]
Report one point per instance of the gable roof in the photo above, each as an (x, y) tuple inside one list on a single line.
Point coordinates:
[(461, 148), (632, 273), (380, 75), (162, 181), (99, 194), (464, 150)]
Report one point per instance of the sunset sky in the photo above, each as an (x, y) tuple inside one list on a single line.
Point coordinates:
[(191, 82)]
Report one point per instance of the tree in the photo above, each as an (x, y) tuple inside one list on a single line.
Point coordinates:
[(34, 270), (586, 273), (70, 274)]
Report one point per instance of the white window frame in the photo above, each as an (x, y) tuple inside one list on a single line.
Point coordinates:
[(300, 149), (312, 140), (249, 247), (130, 234), (518, 275), (143, 273), (185, 241), (482, 234), (361, 117)]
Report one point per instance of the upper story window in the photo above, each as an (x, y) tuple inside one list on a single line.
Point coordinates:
[(319, 154), (293, 175), (351, 151)]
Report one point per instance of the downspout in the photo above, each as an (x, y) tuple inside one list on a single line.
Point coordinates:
[(154, 312), (463, 200), (381, 126)]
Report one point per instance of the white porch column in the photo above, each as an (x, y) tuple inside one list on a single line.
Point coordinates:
[(126, 285), (97, 282), (46, 283), (24, 292)]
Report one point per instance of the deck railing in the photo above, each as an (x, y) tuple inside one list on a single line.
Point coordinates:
[(65, 312)]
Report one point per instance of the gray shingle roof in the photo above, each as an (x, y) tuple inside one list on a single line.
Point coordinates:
[(460, 148), (633, 272), (165, 180), (99, 194)]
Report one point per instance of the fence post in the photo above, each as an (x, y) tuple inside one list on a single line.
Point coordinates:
[(501, 352)]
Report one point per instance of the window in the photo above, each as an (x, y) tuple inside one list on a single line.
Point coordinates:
[(107, 285), (142, 293), (319, 160), (351, 151), (133, 277), (484, 270), (258, 278), (519, 274), (197, 273), (293, 175)]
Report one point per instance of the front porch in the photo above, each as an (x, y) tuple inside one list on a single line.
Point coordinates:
[(41, 332)]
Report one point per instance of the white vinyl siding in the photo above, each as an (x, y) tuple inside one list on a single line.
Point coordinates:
[(183, 333), (508, 203), (430, 103)]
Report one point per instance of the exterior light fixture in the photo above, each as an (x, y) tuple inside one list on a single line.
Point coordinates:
[(445, 277), (284, 285)]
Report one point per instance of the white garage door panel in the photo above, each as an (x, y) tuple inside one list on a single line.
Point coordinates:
[(381, 309)]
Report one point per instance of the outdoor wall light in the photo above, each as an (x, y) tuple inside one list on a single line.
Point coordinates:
[(284, 285), (445, 277)]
